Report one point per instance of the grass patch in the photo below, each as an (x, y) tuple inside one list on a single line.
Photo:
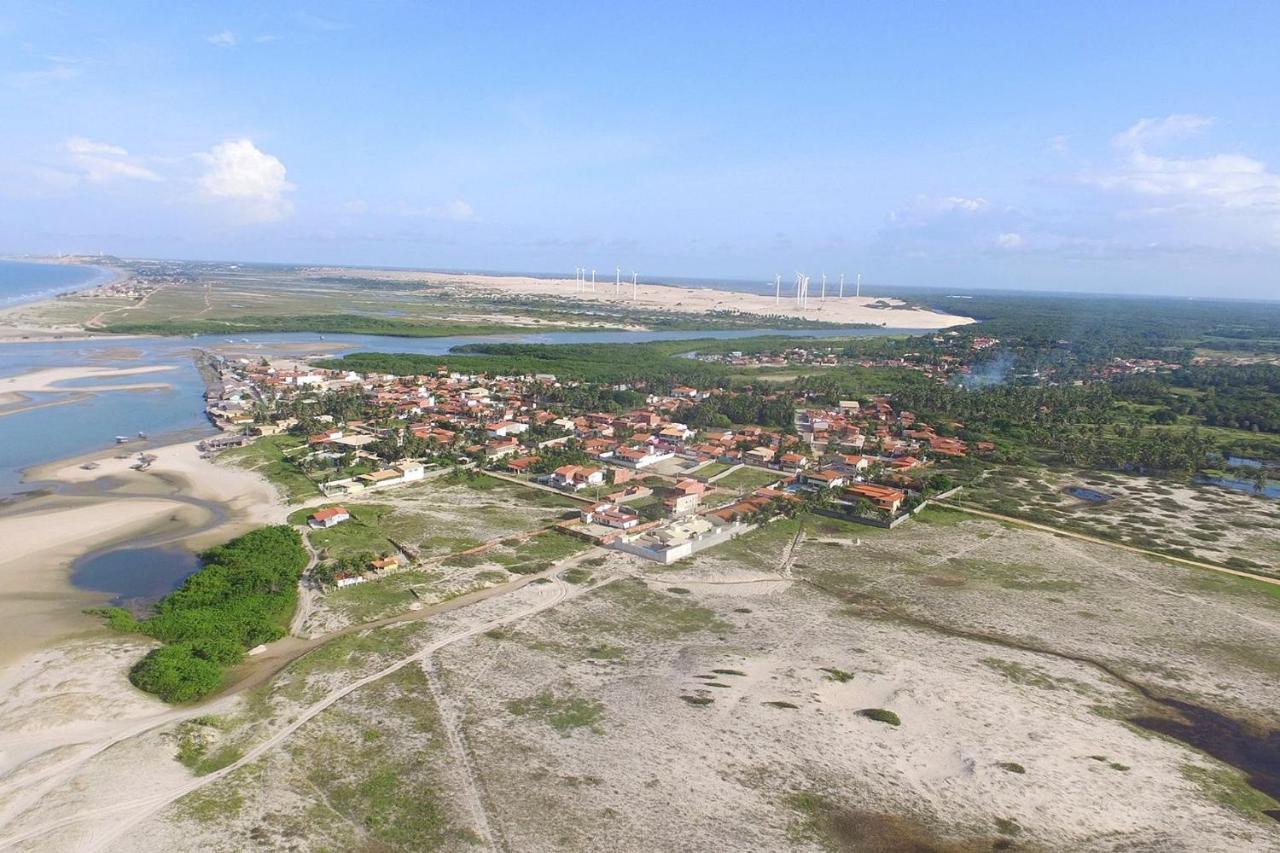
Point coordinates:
[(747, 480), (643, 613), (577, 575), (364, 602), (839, 675), (1011, 767), (881, 715), (214, 804), (536, 554), (268, 456), (563, 713), (1228, 788)]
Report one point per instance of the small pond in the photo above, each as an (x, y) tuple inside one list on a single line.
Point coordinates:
[(137, 577), (1086, 494), (1270, 489)]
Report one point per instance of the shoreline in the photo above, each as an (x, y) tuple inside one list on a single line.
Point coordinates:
[(181, 499), (15, 331)]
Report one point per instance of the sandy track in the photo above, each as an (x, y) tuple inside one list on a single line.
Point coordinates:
[(1096, 540), (133, 812)]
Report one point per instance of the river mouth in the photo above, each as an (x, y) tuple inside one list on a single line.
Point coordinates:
[(136, 577)]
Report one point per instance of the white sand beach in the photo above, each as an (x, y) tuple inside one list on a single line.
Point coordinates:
[(43, 536)]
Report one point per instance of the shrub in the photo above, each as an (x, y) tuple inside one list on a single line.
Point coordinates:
[(176, 673), (880, 715), (242, 595)]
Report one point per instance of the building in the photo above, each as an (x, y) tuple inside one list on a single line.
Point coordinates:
[(678, 539), (609, 514), (684, 496), (505, 428), (326, 518), (828, 478), (576, 477), (641, 457), (881, 497)]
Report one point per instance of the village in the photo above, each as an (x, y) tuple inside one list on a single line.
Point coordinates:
[(643, 481)]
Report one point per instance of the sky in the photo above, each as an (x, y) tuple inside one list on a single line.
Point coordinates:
[(1104, 147)]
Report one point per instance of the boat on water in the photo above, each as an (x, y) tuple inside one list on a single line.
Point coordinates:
[(122, 439)]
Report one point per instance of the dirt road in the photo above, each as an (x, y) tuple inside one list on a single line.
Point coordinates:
[(261, 669), (1084, 537)]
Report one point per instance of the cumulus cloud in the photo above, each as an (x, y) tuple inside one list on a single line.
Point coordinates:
[(923, 209), (99, 162), (226, 38), (1152, 130), (1224, 183), (253, 182), (1010, 241)]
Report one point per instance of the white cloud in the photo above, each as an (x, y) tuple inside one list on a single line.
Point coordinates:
[(1010, 240), (457, 210), (1192, 186), (99, 162), (1149, 130), (54, 74), (924, 208), (251, 180), (226, 38)]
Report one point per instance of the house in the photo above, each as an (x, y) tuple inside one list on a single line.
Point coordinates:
[(385, 477), (500, 447), (505, 428), (759, 456), (881, 497), (609, 514), (576, 477), (828, 478), (410, 471), (851, 463), (385, 564), (522, 464), (684, 497), (641, 457), (326, 518), (792, 462)]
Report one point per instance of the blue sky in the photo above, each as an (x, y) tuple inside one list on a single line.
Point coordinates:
[(1125, 147)]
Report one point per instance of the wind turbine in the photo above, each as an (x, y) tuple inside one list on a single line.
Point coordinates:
[(777, 288), (859, 292), (633, 285), (593, 281), (617, 281), (842, 285), (824, 288)]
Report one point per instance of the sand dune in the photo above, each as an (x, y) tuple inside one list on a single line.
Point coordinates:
[(687, 300)]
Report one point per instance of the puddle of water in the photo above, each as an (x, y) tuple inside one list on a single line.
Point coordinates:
[(138, 577), (1085, 494), (1269, 490)]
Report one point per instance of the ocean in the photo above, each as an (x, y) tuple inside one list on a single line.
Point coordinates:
[(23, 281)]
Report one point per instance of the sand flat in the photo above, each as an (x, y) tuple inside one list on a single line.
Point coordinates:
[(687, 300)]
